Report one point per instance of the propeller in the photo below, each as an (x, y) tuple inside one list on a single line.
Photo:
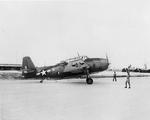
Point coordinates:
[(78, 54), (107, 59)]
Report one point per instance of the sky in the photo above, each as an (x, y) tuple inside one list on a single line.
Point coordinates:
[(54, 30)]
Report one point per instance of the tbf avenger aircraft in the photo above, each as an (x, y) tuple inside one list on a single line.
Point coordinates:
[(74, 67)]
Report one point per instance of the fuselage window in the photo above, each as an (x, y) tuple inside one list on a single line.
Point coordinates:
[(81, 63), (75, 65)]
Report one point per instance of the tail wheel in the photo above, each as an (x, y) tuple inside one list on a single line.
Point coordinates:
[(41, 81), (89, 81)]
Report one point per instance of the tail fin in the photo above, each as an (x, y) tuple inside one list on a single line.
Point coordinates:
[(28, 68)]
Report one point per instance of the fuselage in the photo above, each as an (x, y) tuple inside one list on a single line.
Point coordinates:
[(68, 68), (76, 67)]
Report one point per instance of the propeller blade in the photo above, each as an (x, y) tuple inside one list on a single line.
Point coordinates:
[(107, 59)]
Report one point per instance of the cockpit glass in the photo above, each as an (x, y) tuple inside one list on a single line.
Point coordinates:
[(76, 58)]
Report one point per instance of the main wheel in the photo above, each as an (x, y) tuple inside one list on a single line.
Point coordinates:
[(89, 81)]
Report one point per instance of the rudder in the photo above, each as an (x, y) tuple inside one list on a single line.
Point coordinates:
[(28, 68)]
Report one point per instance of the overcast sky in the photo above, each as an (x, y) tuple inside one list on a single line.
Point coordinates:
[(51, 31)]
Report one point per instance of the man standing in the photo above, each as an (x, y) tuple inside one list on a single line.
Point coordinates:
[(114, 77), (127, 83)]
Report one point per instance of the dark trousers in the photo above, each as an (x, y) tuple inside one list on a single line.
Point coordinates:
[(127, 83), (114, 78)]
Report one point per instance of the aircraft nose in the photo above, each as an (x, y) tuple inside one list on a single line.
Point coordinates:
[(104, 63)]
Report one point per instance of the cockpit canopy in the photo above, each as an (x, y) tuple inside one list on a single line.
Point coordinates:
[(74, 59), (63, 62)]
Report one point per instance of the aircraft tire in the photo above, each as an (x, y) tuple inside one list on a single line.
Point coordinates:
[(41, 81), (89, 81)]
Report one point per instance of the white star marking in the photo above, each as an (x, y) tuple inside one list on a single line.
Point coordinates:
[(43, 72)]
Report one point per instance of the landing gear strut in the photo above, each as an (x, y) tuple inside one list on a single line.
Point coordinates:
[(89, 80)]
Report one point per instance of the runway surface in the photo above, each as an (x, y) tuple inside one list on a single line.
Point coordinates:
[(73, 99)]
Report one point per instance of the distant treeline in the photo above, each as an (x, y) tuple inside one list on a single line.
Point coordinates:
[(137, 70), (10, 67)]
